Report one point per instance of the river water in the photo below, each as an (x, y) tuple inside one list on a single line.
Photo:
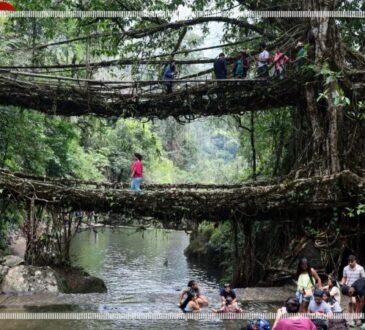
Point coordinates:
[(144, 272)]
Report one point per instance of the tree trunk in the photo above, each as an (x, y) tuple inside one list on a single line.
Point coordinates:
[(335, 122), (249, 253), (253, 147), (326, 153), (317, 130), (30, 233), (244, 265)]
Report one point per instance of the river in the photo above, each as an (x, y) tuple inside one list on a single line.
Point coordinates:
[(143, 271)]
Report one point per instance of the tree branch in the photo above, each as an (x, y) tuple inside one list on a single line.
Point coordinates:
[(129, 61), (140, 33), (240, 124)]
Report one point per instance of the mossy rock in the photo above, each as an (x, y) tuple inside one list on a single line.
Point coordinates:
[(76, 280)]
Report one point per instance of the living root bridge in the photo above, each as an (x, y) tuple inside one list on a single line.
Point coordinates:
[(192, 202), (74, 97)]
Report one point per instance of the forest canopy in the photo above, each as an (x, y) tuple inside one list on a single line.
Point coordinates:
[(138, 48)]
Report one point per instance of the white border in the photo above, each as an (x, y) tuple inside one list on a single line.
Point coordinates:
[(159, 316), (168, 14)]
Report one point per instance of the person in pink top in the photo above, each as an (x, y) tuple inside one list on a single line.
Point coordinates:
[(292, 322), (137, 172), (280, 60)]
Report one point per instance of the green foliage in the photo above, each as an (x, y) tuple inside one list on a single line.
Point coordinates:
[(332, 77), (31, 143), (11, 217), (212, 242), (355, 211)]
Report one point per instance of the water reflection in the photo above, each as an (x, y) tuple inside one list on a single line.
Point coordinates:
[(143, 271)]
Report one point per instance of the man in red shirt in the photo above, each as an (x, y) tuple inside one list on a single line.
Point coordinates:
[(137, 172)]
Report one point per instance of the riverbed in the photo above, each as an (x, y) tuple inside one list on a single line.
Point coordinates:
[(144, 272)]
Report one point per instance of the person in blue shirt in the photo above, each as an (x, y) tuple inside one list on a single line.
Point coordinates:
[(169, 76), (220, 67), (241, 66), (318, 305), (226, 292)]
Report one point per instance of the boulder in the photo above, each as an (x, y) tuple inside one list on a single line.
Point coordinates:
[(12, 261), (76, 280), (30, 279), (3, 271), (86, 284)]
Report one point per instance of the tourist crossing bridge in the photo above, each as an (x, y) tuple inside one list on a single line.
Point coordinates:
[(66, 96), (144, 99), (263, 200)]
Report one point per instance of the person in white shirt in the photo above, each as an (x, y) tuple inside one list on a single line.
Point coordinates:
[(352, 273), (263, 61), (332, 302), (333, 288)]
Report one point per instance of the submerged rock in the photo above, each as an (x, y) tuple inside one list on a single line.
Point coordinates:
[(30, 279), (12, 261), (76, 280), (86, 284)]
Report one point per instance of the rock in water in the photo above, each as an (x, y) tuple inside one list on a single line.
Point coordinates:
[(31, 279), (87, 284), (12, 261), (76, 280)]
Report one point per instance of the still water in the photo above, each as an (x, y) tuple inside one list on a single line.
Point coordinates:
[(144, 272)]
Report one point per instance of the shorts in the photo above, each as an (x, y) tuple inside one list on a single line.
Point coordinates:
[(188, 310), (346, 300), (300, 296)]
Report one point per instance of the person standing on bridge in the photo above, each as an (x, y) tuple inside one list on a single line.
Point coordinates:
[(241, 66), (169, 76), (220, 67), (137, 172), (262, 61), (280, 61), (301, 56)]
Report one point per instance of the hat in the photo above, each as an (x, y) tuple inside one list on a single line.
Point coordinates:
[(227, 285), (299, 44)]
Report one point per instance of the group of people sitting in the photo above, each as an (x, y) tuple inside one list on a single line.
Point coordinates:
[(191, 299), (242, 64), (321, 302)]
